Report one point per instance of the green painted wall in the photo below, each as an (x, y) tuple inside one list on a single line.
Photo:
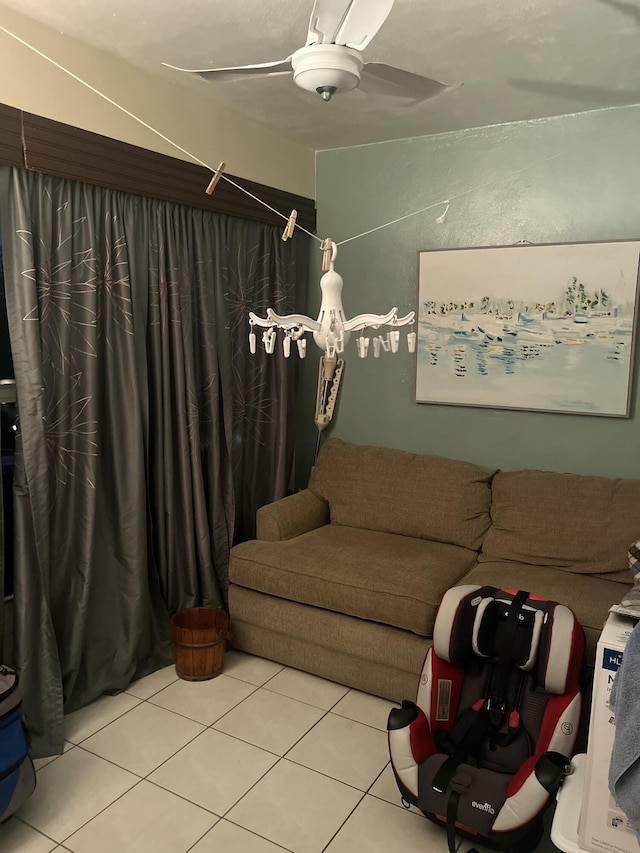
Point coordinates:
[(573, 178)]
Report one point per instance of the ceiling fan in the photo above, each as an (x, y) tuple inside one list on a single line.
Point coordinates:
[(331, 60)]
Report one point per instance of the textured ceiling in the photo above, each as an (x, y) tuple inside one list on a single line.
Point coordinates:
[(517, 59)]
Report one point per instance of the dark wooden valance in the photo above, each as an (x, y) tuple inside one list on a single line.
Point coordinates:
[(59, 149), (10, 137)]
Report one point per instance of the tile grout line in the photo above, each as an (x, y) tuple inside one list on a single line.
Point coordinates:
[(67, 837), (146, 777), (139, 780), (308, 704), (271, 677), (241, 740), (239, 800), (382, 799), (184, 799), (342, 825), (244, 828), (327, 776), (304, 701), (71, 834), (184, 745), (206, 725), (256, 688), (209, 725), (204, 835), (273, 693), (377, 777), (147, 698), (182, 716), (129, 710), (39, 831), (128, 791), (326, 712), (245, 681), (279, 758), (102, 728), (257, 834), (210, 728), (311, 770), (359, 722)]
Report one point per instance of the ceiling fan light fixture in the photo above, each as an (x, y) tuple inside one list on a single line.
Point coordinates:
[(327, 68), (326, 92), (331, 62)]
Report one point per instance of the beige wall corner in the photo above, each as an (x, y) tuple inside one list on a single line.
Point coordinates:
[(204, 127)]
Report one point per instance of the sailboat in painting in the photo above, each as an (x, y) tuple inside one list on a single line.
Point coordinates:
[(515, 339)]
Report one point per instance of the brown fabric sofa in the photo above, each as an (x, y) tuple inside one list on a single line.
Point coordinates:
[(345, 577)]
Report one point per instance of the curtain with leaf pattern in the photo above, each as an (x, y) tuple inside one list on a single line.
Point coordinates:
[(148, 433)]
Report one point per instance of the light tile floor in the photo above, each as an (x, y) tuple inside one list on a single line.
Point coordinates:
[(259, 760)]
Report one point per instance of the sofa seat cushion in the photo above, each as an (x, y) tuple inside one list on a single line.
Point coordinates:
[(396, 580), (427, 497), (589, 597), (567, 521)]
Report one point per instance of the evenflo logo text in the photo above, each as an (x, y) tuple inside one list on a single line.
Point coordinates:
[(483, 807)]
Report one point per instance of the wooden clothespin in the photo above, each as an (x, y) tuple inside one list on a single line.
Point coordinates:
[(326, 255), (289, 227), (214, 180)]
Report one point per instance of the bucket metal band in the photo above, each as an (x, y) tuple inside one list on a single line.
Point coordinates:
[(200, 645)]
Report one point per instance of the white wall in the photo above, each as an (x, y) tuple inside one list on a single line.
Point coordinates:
[(200, 125)]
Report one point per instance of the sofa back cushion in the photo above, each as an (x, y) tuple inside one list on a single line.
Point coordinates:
[(429, 497), (579, 523)]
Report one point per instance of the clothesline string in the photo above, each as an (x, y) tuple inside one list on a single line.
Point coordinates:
[(152, 129), (255, 197), (448, 201)]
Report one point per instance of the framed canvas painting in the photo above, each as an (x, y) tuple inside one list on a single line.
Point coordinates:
[(538, 327)]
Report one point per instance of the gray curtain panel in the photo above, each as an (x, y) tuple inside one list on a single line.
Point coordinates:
[(2, 499), (148, 434), (2, 562)]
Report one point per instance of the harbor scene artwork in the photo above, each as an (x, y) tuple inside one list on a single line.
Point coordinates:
[(537, 327)]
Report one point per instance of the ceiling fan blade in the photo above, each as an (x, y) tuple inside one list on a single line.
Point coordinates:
[(388, 80), (326, 17), (597, 95), (362, 22), (626, 8), (264, 69)]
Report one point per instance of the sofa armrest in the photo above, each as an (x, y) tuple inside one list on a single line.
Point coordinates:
[(291, 516)]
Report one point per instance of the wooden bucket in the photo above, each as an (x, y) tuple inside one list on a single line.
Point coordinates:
[(199, 639)]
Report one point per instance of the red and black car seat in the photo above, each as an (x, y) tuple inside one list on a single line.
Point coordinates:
[(489, 738)]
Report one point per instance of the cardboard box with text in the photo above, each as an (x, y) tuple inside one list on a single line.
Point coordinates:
[(603, 827)]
